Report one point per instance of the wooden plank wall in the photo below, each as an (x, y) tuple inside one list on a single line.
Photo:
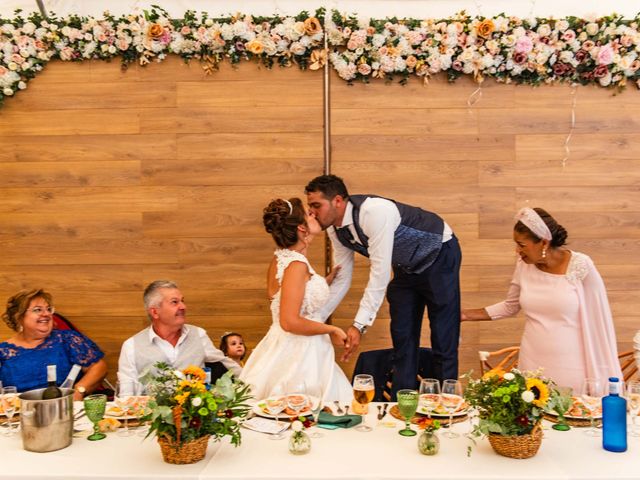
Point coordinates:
[(113, 179)]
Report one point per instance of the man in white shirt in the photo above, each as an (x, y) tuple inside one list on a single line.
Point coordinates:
[(424, 255), (168, 339)]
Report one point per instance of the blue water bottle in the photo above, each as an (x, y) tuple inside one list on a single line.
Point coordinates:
[(614, 418), (207, 378)]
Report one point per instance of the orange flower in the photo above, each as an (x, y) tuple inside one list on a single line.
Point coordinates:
[(494, 372), (318, 59), (196, 372), (312, 26), (486, 28), (155, 30), (255, 47)]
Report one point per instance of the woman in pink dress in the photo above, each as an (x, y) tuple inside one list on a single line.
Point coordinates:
[(568, 325)]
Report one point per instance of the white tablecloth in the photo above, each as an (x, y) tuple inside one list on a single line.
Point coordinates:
[(341, 454)]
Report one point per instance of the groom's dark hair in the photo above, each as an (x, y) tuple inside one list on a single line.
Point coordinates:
[(329, 185)]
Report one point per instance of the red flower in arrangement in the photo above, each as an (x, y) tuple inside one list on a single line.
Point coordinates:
[(581, 55), (307, 422), (195, 422), (600, 71), (228, 413), (520, 57), (522, 420)]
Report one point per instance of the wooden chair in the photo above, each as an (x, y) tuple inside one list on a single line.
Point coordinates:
[(505, 359), (628, 365)]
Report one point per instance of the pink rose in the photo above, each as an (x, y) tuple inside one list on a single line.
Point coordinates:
[(626, 41), (600, 71), (364, 69), (569, 36), (581, 55), (520, 58), (605, 55), (524, 44), (588, 45), (185, 30), (3, 70)]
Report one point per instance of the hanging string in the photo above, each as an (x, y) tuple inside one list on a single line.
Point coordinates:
[(475, 96), (567, 150)]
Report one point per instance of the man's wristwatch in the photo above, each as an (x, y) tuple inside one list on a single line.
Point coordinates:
[(361, 328), (81, 389)]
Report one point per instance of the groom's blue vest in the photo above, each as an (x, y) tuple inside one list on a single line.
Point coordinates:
[(416, 241)]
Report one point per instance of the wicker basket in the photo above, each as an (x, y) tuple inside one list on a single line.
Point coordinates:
[(189, 452), (520, 446)]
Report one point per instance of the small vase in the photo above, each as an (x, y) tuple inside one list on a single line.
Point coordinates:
[(299, 443), (428, 443)]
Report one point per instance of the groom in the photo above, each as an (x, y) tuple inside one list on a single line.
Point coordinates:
[(424, 255)]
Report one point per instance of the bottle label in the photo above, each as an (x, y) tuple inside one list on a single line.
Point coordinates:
[(51, 373), (614, 388)]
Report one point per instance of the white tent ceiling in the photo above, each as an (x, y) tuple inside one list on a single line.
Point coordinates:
[(372, 8)]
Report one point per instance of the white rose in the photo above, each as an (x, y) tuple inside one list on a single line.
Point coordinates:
[(297, 426), (12, 66), (208, 22), (196, 401), (544, 30), (22, 85), (592, 28), (562, 25), (7, 91), (28, 28), (509, 376), (112, 49), (528, 396)]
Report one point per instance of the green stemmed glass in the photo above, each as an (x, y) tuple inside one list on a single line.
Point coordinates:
[(94, 406), (407, 404)]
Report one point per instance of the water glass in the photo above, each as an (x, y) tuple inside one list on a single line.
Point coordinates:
[(94, 407), (451, 399), (276, 403), (633, 399), (9, 399), (123, 396), (592, 392), (314, 392), (407, 404), (429, 395)]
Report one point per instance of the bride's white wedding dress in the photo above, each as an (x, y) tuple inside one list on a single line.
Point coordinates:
[(282, 358)]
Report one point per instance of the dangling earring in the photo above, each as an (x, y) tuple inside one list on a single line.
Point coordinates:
[(544, 252)]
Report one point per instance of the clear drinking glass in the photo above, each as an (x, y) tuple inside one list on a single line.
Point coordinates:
[(633, 399), (297, 399), (9, 399), (314, 392), (592, 392), (451, 399), (276, 403), (407, 404), (123, 396), (363, 392), (429, 395)]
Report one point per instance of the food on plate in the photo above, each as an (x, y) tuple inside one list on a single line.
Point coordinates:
[(288, 412), (108, 425), (16, 403), (578, 409), (132, 407)]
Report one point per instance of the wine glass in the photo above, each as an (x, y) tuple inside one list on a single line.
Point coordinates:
[(296, 397), (633, 397), (451, 399), (94, 407), (9, 399), (314, 392), (276, 402), (141, 408), (592, 392), (123, 396), (407, 404), (429, 394), (363, 392)]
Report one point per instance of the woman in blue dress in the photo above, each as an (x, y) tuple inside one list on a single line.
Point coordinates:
[(24, 357)]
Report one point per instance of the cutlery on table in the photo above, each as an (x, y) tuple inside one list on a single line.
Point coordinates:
[(384, 411), (346, 409), (339, 410), (380, 414)]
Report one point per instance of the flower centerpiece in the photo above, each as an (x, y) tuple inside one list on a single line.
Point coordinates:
[(510, 407), (184, 413), (300, 443), (428, 441)]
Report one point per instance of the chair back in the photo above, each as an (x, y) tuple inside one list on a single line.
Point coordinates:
[(505, 359), (628, 365)]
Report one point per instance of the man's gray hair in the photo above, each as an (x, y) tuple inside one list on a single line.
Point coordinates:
[(152, 296)]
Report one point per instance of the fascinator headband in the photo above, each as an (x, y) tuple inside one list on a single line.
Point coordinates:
[(290, 206), (530, 218)]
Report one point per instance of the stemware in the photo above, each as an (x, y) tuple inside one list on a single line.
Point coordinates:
[(9, 397), (314, 392), (276, 402), (633, 398), (363, 392), (94, 407), (407, 404), (141, 410), (592, 392), (562, 404), (451, 399), (429, 395), (296, 397), (123, 396)]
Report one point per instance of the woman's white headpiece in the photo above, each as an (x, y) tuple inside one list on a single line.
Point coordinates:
[(530, 218), (290, 206)]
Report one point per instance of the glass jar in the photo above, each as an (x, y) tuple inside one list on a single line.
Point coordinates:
[(428, 443), (299, 443)]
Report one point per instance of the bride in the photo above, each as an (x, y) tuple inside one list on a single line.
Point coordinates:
[(297, 348)]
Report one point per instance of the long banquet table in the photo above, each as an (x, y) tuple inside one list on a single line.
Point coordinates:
[(341, 454)]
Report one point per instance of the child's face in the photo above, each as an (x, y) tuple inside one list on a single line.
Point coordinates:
[(235, 347)]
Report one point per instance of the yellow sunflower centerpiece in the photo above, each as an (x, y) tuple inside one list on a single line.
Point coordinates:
[(510, 407), (185, 413)]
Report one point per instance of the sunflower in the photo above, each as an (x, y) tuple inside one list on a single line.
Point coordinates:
[(540, 390), (194, 371)]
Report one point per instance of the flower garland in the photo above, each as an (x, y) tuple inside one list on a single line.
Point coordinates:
[(604, 51)]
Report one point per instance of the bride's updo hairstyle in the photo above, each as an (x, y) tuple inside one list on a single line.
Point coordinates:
[(558, 233), (281, 220)]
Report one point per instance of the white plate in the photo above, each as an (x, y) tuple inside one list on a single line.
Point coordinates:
[(576, 417), (258, 410), (459, 413), (122, 417)]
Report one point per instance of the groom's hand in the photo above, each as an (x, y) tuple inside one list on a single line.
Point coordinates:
[(352, 343)]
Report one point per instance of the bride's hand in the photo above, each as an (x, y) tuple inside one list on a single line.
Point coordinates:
[(338, 337), (333, 274)]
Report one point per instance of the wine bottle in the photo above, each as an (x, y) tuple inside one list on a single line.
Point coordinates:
[(71, 378), (614, 418), (52, 391)]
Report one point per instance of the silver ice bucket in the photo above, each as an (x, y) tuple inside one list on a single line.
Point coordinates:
[(46, 425)]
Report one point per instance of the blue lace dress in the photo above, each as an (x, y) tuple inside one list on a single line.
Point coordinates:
[(26, 368)]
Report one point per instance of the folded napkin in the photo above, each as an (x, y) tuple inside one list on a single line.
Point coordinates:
[(341, 421)]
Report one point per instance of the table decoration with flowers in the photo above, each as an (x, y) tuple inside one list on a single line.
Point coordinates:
[(428, 441), (299, 442), (602, 51), (184, 414), (510, 407)]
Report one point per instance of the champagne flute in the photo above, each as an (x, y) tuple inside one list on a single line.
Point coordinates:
[(407, 404), (633, 397), (123, 396), (9, 399), (429, 395), (94, 407), (363, 392), (451, 399), (592, 391), (276, 403)]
